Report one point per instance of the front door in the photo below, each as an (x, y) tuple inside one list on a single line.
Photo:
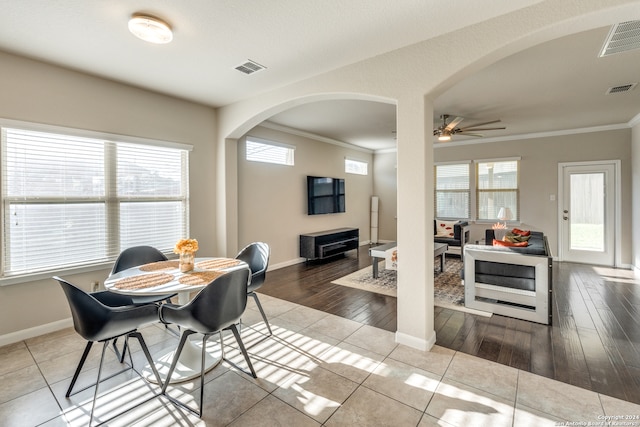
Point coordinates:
[(588, 212)]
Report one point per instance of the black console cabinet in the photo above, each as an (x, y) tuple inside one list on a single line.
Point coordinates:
[(325, 244)]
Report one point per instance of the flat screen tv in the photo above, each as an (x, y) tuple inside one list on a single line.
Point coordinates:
[(325, 195)]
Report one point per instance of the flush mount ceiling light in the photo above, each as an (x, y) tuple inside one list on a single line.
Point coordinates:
[(150, 29)]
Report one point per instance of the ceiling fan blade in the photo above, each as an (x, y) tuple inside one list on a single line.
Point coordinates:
[(479, 135), (473, 129), (475, 125), (454, 123)]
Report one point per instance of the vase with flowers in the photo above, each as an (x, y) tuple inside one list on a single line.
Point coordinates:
[(186, 249)]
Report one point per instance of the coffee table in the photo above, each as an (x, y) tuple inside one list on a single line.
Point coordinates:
[(438, 250), (378, 253)]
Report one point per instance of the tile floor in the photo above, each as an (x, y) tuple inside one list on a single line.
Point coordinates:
[(317, 369)]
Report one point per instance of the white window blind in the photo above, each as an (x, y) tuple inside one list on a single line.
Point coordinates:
[(70, 201), (497, 187), (258, 150), (452, 191), (356, 167)]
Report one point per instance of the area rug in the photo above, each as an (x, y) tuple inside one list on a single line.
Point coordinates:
[(448, 287)]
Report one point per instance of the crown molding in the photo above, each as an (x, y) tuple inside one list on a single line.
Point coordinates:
[(564, 132), (634, 121), (605, 128), (286, 129)]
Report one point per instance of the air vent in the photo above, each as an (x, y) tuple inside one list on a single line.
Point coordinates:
[(622, 37), (621, 88), (250, 67)]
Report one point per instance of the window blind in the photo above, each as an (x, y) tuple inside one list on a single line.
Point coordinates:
[(452, 191), (71, 201), (497, 187)]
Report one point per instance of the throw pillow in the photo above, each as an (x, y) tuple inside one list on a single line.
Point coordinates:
[(521, 232), (515, 238), (445, 228), (509, 244)]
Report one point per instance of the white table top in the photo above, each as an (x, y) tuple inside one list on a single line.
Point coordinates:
[(139, 280)]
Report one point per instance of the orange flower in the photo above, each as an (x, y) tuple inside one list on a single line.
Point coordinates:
[(186, 246)]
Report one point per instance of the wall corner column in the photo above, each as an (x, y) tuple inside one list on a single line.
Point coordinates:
[(415, 223)]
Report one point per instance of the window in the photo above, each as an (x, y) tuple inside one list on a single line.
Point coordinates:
[(260, 150), (357, 167), (71, 201), (497, 187), (452, 191)]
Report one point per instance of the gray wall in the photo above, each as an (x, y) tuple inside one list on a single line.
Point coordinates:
[(272, 199)]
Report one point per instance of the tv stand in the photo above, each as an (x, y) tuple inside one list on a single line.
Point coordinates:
[(326, 244)]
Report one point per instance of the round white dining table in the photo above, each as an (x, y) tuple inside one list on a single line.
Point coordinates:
[(165, 277)]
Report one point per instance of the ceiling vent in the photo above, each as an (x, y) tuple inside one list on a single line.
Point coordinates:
[(621, 38), (250, 67), (622, 88)]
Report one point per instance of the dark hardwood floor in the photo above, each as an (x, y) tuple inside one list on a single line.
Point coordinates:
[(594, 342)]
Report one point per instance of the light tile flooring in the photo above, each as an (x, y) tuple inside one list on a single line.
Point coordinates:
[(317, 369)]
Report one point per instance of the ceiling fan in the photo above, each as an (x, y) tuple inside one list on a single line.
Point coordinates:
[(446, 130)]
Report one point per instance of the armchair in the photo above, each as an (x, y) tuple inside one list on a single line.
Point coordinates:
[(454, 233)]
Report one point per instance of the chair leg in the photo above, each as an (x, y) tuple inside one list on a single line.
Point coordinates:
[(202, 357), (234, 329), (79, 368), (221, 345), (264, 316), (124, 350), (95, 393), (145, 349), (183, 340), (174, 362)]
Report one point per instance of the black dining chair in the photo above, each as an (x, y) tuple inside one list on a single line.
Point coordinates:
[(256, 255), (103, 317), (217, 307), (134, 257)]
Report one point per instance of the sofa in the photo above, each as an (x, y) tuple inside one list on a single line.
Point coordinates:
[(454, 233), (509, 280)]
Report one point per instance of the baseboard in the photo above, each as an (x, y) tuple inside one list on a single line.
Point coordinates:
[(285, 264), (417, 343), (24, 334)]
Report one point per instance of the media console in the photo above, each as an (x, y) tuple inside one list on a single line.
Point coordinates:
[(325, 244)]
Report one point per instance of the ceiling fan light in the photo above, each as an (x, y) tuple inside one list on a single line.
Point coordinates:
[(150, 29), (444, 138)]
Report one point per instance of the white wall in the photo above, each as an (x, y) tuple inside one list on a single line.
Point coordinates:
[(272, 199), (36, 92)]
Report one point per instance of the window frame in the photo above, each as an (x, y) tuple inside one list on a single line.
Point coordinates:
[(516, 190), (290, 155), (111, 200), (468, 190), (355, 161)]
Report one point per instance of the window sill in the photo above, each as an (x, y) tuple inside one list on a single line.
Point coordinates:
[(43, 275)]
